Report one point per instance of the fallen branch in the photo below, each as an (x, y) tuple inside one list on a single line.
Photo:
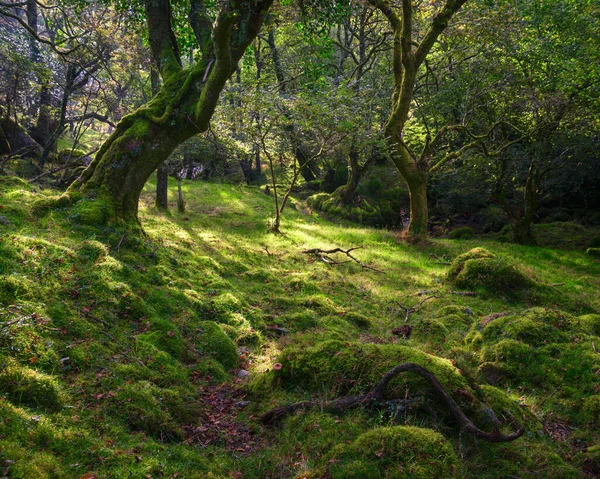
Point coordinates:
[(324, 256), (414, 309), (376, 397)]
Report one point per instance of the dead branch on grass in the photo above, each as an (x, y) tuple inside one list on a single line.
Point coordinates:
[(324, 255), (414, 309), (376, 397)]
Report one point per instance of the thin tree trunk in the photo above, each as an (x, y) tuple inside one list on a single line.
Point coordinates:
[(162, 173)]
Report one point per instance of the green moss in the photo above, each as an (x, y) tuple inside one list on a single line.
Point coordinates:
[(394, 453), (90, 211), (459, 262), (358, 320), (352, 366), (23, 385), (565, 235), (14, 287), (365, 212), (21, 463), (166, 336), (591, 408), (456, 322), (297, 321), (70, 152), (210, 370), (429, 330), (480, 269), (536, 326), (463, 233), (143, 406), (590, 324), (212, 342), (92, 250)]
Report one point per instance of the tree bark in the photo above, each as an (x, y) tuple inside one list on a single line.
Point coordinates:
[(162, 187)]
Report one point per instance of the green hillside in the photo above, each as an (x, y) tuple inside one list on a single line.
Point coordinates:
[(131, 356)]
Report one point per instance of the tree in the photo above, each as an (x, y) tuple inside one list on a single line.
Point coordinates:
[(182, 108), (408, 56)]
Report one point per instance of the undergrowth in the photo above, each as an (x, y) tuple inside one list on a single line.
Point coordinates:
[(124, 355)]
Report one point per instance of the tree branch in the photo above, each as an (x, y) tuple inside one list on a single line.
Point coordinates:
[(376, 397)]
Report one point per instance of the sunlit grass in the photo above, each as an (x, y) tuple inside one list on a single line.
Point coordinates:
[(125, 310)]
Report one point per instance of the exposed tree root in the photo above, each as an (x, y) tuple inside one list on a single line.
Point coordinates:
[(375, 397), (324, 255)]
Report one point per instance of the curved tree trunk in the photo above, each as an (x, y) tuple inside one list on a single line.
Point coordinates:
[(182, 108), (407, 58), (125, 162)]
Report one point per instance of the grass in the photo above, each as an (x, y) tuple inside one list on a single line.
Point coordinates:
[(120, 355)]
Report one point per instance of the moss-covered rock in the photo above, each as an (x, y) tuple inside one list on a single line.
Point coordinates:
[(14, 287), (91, 211), (92, 250), (591, 407), (462, 233), (393, 453), (212, 342), (23, 385), (429, 330), (536, 327), (479, 268), (355, 367), (143, 406)]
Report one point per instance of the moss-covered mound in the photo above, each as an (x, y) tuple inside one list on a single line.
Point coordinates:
[(545, 349), (23, 385), (480, 269), (463, 233), (354, 366), (211, 341), (399, 452), (365, 212)]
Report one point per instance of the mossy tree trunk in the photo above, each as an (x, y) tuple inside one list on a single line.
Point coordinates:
[(407, 58), (182, 108)]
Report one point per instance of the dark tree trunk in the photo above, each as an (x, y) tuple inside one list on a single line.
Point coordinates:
[(162, 187), (522, 230), (349, 192)]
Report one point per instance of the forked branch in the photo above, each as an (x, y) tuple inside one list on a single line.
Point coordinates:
[(324, 255)]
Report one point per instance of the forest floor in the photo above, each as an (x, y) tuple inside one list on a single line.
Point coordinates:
[(133, 356)]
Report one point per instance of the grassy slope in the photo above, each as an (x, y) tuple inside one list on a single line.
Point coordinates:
[(147, 387)]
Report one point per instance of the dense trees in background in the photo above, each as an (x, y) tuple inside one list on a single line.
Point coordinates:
[(439, 113)]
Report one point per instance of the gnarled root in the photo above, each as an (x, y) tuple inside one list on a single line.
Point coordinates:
[(375, 397)]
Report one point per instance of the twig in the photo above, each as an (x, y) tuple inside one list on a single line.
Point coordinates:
[(121, 241), (464, 293), (376, 397), (439, 260), (324, 256), (414, 309)]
